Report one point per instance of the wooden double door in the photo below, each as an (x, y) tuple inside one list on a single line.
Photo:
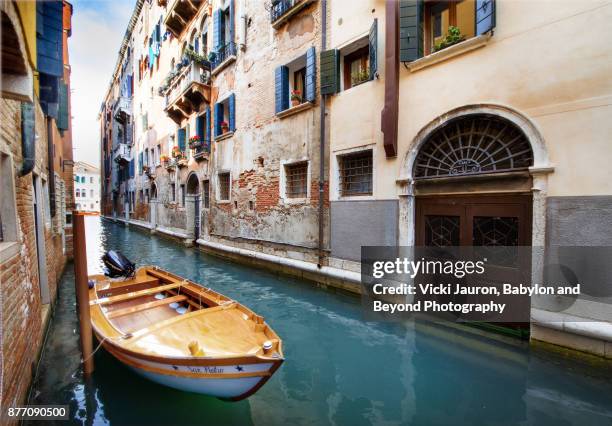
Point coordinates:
[(500, 220)]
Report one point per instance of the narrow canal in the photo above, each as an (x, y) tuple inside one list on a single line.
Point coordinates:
[(339, 369)]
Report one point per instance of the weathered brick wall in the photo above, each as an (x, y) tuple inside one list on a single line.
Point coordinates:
[(22, 327)]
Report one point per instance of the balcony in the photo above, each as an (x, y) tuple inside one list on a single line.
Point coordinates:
[(180, 13), (223, 56), (201, 152), (122, 154), (122, 109), (282, 10), (187, 91)]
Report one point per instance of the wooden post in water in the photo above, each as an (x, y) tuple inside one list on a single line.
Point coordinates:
[(82, 290)]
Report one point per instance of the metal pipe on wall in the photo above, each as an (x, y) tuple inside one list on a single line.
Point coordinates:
[(322, 143)]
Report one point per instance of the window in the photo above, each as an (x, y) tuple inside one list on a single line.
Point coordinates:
[(295, 81), (355, 63), (224, 186), (141, 196), (296, 180), (173, 192), (204, 38), (147, 195), (441, 24), (78, 193), (223, 27), (225, 116), (182, 195), (90, 180), (206, 190), (356, 173), (8, 211), (157, 155), (91, 193)]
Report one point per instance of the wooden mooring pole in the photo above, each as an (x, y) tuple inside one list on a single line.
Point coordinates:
[(82, 290)]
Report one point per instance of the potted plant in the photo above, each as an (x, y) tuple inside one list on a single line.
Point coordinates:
[(224, 127), (296, 97), (195, 142), (176, 152), (454, 36), (146, 169), (164, 159), (212, 56), (359, 77)]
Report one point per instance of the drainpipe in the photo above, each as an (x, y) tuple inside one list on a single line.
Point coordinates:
[(390, 113), (322, 142), (50, 158)]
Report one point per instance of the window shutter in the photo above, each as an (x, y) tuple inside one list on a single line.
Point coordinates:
[(231, 17), (62, 119), (330, 72), (373, 43), (281, 88), (232, 113), (132, 168), (311, 75), (140, 162), (208, 126), (485, 16), (49, 52), (28, 121), (200, 127), (181, 139), (411, 30), (196, 44), (218, 118), (217, 30)]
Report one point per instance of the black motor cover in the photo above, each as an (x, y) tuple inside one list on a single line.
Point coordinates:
[(117, 265)]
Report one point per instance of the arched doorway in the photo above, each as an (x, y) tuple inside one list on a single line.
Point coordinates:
[(153, 191), (472, 183), (193, 196)]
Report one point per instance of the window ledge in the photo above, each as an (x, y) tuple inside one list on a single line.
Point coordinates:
[(8, 250), (295, 109), (294, 201), (222, 65), (448, 53), (223, 201), (224, 136)]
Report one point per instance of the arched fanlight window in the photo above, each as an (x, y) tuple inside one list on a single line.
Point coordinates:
[(194, 43), (471, 145), (204, 36)]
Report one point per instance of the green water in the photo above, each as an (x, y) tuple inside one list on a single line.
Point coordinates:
[(339, 369)]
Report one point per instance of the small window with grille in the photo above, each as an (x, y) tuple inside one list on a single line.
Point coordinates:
[(356, 174), (206, 191), (296, 180), (224, 186)]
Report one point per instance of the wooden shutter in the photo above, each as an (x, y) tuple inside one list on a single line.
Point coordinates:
[(140, 162), (311, 75), (232, 113), (200, 127), (281, 93), (62, 119), (132, 168), (330, 72), (208, 126), (231, 17), (485, 16), (218, 118), (49, 51), (411, 30), (217, 30), (28, 121), (372, 44), (181, 139)]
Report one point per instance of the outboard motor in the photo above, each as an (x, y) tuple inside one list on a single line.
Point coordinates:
[(117, 265)]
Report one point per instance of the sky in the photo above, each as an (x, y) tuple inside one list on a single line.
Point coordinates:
[(97, 31)]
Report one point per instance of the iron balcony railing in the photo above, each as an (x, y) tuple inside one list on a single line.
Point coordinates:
[(226, 51), (123, 105), (122, 153), (280, 7), (193, 72), (203, 149)]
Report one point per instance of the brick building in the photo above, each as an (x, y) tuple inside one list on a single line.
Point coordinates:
[(35, 181)]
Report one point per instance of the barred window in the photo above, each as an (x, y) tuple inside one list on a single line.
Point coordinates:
[(224, 186), (206, 190), (356, 174), (296, 177)]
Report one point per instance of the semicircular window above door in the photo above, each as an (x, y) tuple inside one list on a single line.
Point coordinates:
[(471, 145)]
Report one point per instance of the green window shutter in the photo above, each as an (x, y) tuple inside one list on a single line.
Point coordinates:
[(411, 30), (372, 44), (330, 72), (62, 119)]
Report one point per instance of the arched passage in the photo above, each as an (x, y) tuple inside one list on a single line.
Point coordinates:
[(193, 185)]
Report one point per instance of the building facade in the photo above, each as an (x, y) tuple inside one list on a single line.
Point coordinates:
[(35, 182), (325, 126), (86, 187)]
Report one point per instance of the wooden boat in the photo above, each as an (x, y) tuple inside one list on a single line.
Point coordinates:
[(180, 334)]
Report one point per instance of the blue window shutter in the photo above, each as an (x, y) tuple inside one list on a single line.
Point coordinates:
[(281, 84), (218, 118), (181, 139), (49, 40), (232, 113), (311, 75), (217, 30), (231, 17), (207, 139), (196, 44), (140, 163), (411, 30), (200, 127), (132, 168), (372, 44), (485, 16)]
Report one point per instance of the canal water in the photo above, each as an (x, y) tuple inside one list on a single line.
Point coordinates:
[(339, 369)]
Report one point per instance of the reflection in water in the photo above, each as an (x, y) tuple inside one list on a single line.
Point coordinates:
[(339, 368)]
